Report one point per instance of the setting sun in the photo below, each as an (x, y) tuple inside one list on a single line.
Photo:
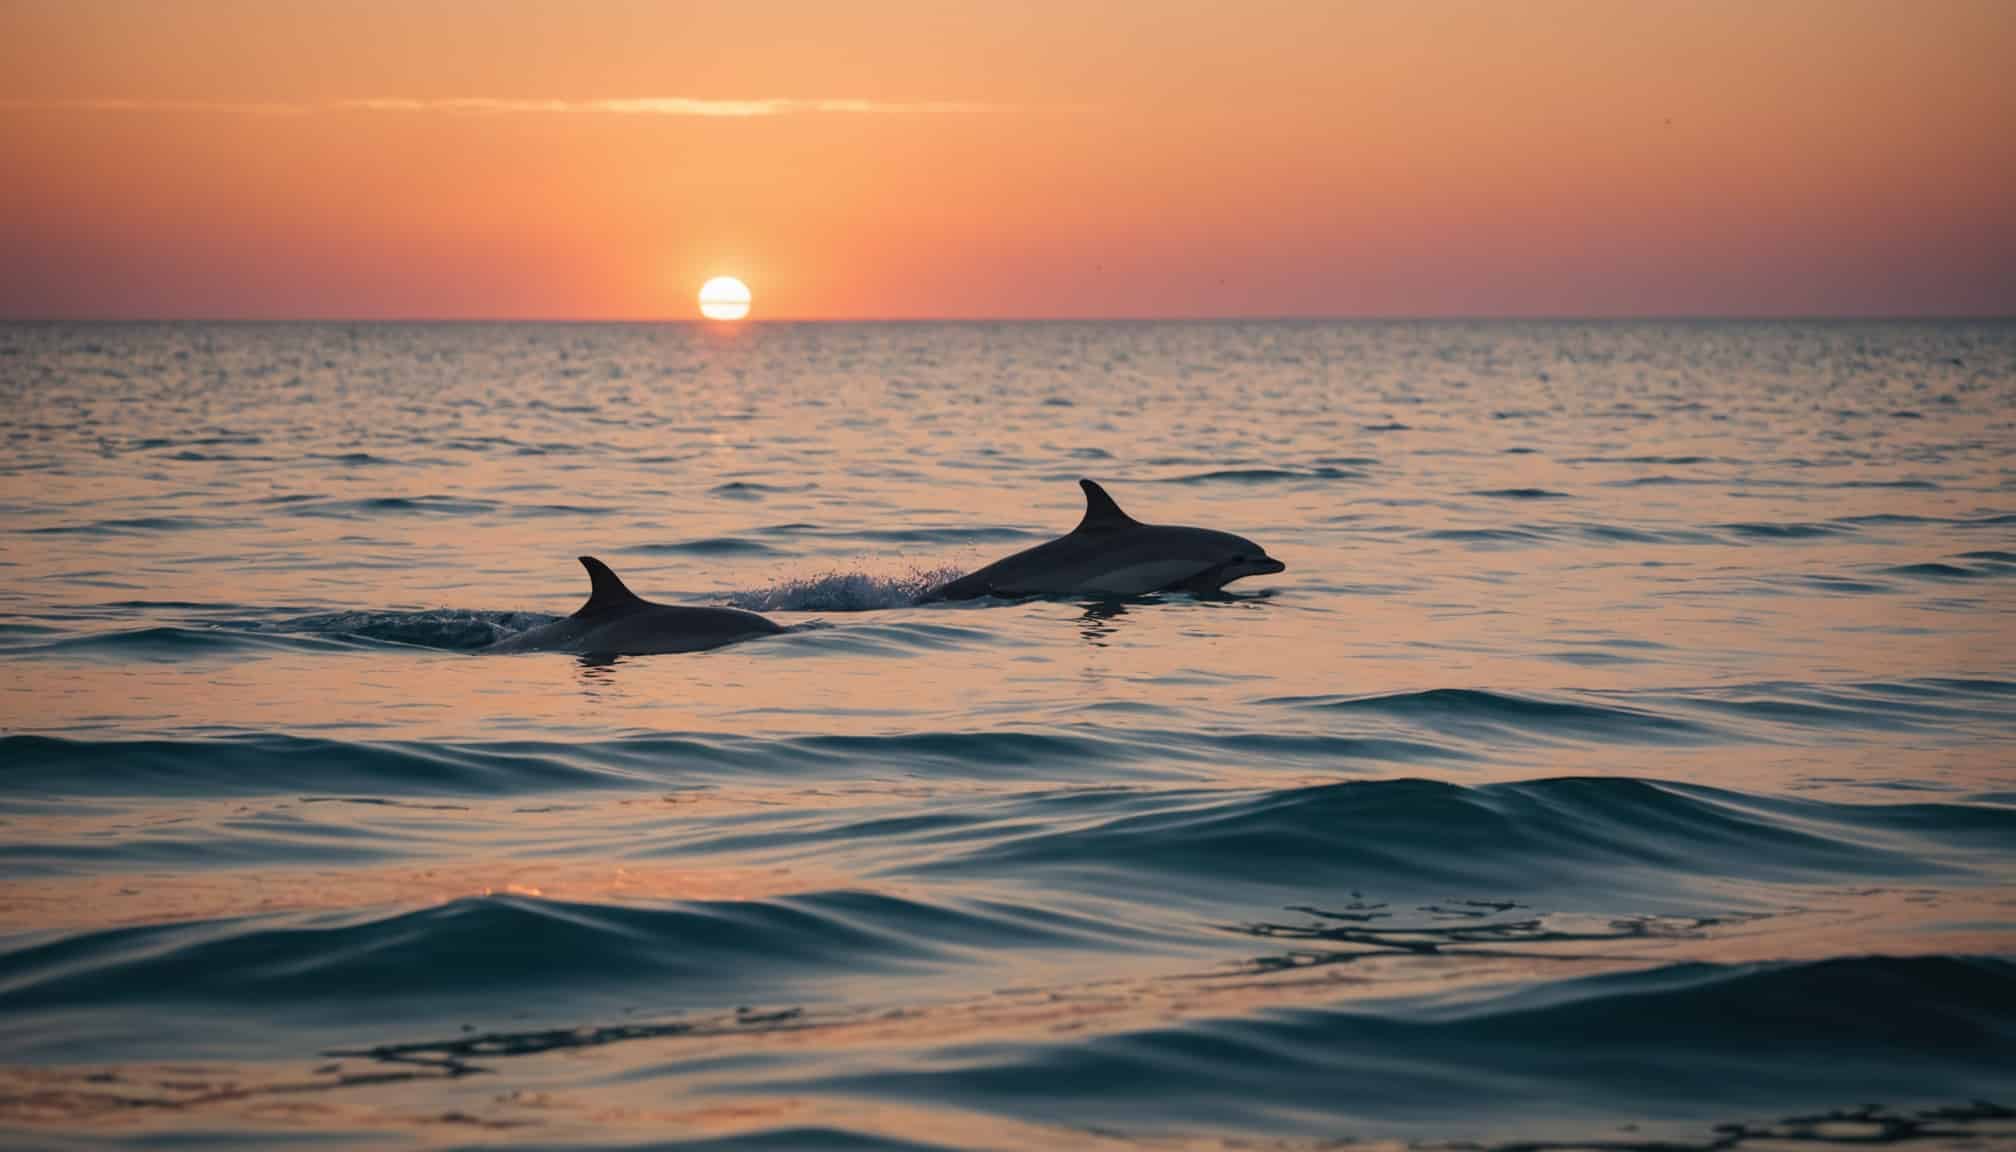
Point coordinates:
[(724, 298)]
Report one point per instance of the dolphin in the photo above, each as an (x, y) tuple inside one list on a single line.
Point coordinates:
[(1111, 554), (617, 622)]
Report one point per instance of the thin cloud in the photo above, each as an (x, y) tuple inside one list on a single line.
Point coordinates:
[(252, 108), (667, 106)]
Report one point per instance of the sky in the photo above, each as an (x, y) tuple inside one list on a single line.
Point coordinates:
[(954, 158)]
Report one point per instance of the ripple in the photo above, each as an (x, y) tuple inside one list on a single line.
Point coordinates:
[(753, 490), (1494, 714), (1946, 572), (1687, 1040), (1266, 475), (1522, 494), (1488, 537), (382, 506), (445, 628), (1762, 531), (265, 764), (167, 643), (706, 546), (1952, 708), (132, 526)]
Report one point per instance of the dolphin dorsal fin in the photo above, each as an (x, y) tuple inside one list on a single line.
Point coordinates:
[(1101, 513), (605, 591)]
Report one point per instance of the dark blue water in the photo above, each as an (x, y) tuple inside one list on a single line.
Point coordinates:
[(1627, 757)]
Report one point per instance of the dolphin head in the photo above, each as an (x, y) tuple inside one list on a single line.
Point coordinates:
[(1232, 558)]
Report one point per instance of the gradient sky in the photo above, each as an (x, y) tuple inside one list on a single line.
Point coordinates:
[(947, 158)]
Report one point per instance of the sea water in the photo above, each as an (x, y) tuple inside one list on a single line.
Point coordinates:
[(1627, 755)]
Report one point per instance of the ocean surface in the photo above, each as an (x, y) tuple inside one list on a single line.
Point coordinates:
[(1626, 758)]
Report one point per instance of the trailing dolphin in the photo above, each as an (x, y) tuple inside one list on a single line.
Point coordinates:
[(1111, 554), (617, 622)]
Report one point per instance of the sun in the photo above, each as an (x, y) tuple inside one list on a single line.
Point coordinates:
[(724, 298)]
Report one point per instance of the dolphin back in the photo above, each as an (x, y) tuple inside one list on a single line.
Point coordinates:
[(617, 622), (1110, 553)]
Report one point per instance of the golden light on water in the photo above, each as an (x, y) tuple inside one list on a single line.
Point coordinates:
[(724, 298)]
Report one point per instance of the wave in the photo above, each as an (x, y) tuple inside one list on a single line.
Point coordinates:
[(1947, 571), (1663, 480), (273, 764), (1494, 714), (1670, 461), (1844, 585), (1627, 534), (1618, 534), (160, 643), (1585, 843), (1684, 1042), (1488, 536), (1738, 533), (277, 764), (964, 534), (1789, 531), (268, 839), (1266, 475), (132, 526), (1955, 708), (1900, 485), (752, 490), (446, 628), (1901, 519), (1521, 535), (354, 459), (1522, 494), (373, 507), (527, 511), (1435, 727), (1685, 1057), (270, 764), (706, 546), (473, 953)]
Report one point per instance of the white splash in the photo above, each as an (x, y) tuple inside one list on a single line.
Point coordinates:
[(853, 591)]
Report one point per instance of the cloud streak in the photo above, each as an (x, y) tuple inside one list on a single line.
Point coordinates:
[(683, 107)]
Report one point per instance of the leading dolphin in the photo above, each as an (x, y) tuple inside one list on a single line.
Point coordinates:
[(617, 622), (1111, 554)]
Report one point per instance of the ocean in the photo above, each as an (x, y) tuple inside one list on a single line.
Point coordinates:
[(1626, 757)]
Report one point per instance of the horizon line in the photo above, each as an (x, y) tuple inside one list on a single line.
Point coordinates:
[(691, 107), (1118, 318)]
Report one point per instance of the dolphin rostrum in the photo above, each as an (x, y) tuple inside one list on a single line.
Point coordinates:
[(617, 622), (1111, 554)]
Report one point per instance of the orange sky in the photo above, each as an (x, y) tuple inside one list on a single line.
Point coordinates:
[(954, 158)]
